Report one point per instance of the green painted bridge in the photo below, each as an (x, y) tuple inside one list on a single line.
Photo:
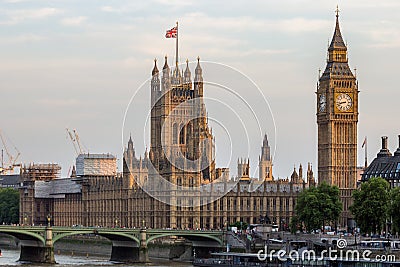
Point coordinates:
[(128, 245)]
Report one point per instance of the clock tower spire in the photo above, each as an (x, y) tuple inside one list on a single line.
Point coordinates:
[(337, 117)]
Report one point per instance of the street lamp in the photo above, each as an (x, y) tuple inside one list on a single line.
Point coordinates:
[(116, 222), (48, 220), (143, 222), (25, 219)]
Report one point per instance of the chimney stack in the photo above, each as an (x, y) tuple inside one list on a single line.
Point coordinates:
[(384, 150), (397, 153), (384, 142), (399, 140)]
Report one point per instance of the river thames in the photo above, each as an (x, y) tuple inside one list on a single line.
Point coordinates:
[(10, 258)]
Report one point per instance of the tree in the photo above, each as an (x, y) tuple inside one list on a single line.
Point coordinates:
[(330, 202), (371, 205), (395, 208), (294, 224), (9, 205), (317, 206)]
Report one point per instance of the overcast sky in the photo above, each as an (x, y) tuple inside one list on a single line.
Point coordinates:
[(76, 64)]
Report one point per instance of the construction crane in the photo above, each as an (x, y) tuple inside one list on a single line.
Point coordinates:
[(75, 141), (12, 160)]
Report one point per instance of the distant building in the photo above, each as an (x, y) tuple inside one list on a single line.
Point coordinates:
[(11, 180), (96, 164), (385, 165)]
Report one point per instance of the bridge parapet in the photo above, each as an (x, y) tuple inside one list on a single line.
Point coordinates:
[(128, 245)]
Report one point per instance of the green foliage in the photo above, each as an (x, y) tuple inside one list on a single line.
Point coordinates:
[(294, 224), (318, 206), (394, 209), (9, 206), (371, 205)]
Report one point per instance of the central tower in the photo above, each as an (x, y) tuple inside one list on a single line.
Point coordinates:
[(337, 117)]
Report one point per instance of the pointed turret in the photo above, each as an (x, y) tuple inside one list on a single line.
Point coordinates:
[(176, 76), (301, 171), (166, 64), (265, 163), (265, 149), (198, 72), (265, 141), (310, 176), (187, 77), (198, 92), (155, 69), (294, 177), (166, 83), (131, 150), (337, 39), (337, 66), (155, 83)]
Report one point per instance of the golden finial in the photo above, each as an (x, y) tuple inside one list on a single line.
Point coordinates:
[(337, 11), (198, 58)]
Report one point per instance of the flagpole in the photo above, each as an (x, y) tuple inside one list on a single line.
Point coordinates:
[(176, 56), (366, 161)]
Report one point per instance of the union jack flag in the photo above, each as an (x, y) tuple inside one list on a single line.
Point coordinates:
[(172, 33)]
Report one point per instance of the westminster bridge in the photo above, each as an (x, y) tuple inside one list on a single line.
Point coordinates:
[(128, 245)]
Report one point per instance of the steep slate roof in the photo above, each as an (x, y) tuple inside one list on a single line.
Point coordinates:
[(9, 180), (337, 39), (56, 188)]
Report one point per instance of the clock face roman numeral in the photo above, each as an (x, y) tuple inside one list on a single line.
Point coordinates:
[(343, 102), (322, 103)]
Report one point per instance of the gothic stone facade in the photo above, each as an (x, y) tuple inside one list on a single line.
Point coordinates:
[(181, 153)]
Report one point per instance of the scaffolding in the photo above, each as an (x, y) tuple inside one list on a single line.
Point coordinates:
[(41, 172)]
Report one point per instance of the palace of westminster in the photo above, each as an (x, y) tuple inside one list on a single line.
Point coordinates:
[(176, 183)]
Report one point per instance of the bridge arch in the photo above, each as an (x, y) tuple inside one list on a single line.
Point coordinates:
[(106, 234), (189, 236), (22, 234)]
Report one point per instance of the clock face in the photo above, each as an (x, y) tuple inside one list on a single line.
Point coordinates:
[(322, 103), (344, 102)]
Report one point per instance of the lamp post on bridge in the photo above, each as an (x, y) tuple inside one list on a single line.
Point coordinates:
[(225, 234), (143, 251), (48, 220)]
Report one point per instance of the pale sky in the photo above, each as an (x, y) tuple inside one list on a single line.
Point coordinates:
[(76, 64)]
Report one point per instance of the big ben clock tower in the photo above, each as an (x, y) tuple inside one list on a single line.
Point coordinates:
[(337, 117)]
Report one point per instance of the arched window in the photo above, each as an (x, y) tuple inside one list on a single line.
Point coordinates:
[(182, 134), (175, 134), (189, 131)]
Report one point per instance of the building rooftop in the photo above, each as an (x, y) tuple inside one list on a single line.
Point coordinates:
[(56, 188), (385, 164)]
